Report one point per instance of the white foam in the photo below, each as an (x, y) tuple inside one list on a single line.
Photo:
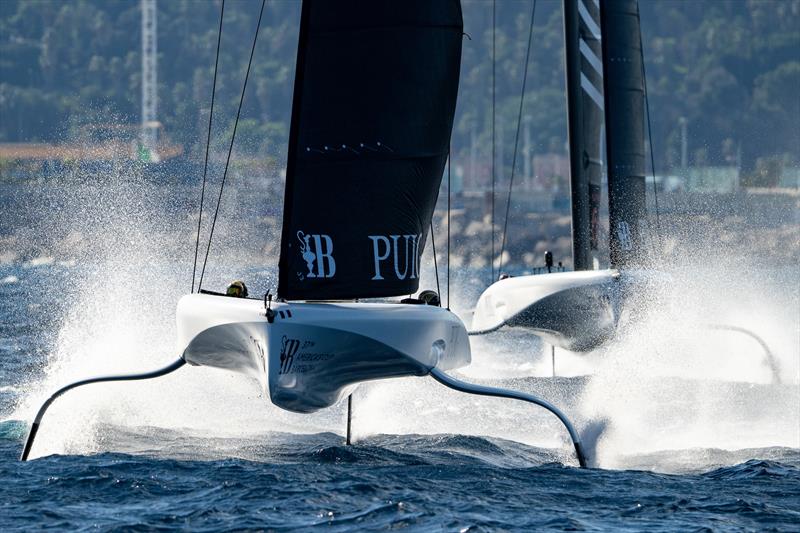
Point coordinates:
[(672, 383), (39, 261), (667, 384)]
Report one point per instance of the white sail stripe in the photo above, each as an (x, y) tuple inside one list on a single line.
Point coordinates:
[(591, 57), (596, 3), (588, 20), (593, 93)]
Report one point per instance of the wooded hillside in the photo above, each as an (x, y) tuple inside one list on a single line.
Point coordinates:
[(730, 67)]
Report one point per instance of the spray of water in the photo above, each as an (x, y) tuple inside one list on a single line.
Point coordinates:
[(133, 241), (675, 380), (668, 382), (685, 372)]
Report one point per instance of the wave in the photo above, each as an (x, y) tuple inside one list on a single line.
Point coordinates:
[(759, 469), (412, 450), (174, 480)]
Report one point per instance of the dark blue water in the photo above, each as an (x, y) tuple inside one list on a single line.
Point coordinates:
[(443, 483), (138, 475)]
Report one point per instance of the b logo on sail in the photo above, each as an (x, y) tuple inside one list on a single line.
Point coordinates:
[(403, 251), (624, 235), (317, 252)]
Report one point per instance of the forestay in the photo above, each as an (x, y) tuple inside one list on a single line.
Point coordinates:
[(374, 99)]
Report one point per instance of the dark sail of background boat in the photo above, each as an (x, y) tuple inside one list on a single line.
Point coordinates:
[(624, 99), (374, 100), (585, 111)]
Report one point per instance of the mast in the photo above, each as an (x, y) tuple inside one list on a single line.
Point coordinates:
[(149, 80), (584, 73), (624, 100)]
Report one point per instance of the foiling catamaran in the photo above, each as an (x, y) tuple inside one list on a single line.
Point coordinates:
[(606, 84), (374, 100), (579, 310)]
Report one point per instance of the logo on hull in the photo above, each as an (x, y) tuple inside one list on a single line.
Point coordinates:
[(289, 348)]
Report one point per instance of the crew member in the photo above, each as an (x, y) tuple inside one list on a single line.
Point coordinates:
[(237, 289)]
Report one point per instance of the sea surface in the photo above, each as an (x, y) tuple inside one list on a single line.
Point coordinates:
[(700, 433)]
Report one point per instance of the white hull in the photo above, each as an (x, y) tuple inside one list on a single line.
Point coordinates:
[(573, 310), (313, 354)]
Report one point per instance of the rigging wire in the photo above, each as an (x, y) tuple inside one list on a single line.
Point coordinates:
[(230, 148), (516, 137), (650, 137), (494, 158), (449, 192), (435, 264), (208, 143)]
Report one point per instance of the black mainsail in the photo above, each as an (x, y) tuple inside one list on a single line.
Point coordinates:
[(374, 99), (624, 100), (585, 105)]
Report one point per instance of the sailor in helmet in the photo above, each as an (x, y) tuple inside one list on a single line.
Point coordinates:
[(237, 289)]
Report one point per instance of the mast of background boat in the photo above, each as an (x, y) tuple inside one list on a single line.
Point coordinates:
[(624, 101), (584, 73), (625, 93)]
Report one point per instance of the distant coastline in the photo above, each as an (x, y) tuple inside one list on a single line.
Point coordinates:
[(72, 224)]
